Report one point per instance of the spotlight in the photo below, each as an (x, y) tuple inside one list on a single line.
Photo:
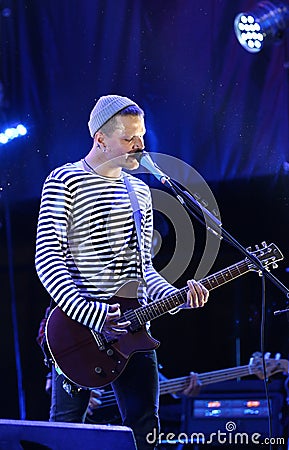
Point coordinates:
[(12, 133), (267, 22)]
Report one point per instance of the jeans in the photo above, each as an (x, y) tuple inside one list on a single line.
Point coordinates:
[(136, 391)]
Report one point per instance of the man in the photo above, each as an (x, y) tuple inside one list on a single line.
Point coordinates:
[(87, 247)]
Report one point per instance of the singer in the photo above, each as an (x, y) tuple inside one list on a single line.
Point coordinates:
[(89, 244)]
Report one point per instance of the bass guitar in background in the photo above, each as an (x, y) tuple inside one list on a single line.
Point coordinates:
[(104, 410)]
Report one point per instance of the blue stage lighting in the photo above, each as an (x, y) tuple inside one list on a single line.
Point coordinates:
[(12, 133), (267, 22)]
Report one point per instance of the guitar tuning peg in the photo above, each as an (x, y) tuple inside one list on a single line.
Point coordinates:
[(278, 356), (267, 355), (264, 244), (257, 247), (249, 249), (274, 265)]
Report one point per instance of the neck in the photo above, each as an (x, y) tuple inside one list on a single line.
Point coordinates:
[(102, 166)]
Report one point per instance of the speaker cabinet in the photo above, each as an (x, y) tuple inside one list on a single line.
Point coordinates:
[(36, 435)]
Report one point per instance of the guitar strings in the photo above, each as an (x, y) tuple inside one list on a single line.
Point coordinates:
[(179, 384)]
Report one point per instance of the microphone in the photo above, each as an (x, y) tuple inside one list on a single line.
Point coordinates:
[(146, 161)]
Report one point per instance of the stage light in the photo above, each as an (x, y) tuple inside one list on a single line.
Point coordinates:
[(265, 23), (12, 133)]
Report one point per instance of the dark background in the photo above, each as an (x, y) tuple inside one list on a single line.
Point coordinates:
[(208, 102)]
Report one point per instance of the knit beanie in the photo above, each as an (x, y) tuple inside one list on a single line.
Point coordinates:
[(105, 108)]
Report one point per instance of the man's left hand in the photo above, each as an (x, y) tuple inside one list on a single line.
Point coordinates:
[(197, 295), (194, 387)]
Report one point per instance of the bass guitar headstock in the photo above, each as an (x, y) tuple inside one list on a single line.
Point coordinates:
[(272, 366)]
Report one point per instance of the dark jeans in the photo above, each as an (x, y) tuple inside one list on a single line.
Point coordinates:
[(136, 390)]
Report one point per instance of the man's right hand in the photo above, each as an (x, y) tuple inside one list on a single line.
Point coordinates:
[(112, 326)]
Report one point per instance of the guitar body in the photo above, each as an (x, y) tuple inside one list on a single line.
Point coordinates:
[(85, 357)]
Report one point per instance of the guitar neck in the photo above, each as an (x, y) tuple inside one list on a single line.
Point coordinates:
[(159, 307)]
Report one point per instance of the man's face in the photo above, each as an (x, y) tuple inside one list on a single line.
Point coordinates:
[(125, 141)]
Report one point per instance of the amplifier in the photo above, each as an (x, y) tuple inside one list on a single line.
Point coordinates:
[(251, 407), (235, 409)]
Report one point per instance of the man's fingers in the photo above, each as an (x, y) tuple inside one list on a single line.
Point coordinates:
[(197, 294)]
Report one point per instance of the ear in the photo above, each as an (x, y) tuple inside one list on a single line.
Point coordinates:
[(99, 138)]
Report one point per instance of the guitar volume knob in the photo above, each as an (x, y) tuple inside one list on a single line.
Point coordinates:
[(98, 369), (109, 352)]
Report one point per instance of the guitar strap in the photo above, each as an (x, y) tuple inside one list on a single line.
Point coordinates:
[(137, 215), (136, 210)]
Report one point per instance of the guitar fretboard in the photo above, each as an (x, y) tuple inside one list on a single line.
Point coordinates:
[(159, 307)]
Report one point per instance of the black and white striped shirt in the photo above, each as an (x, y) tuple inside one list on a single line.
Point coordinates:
[(86, 246)]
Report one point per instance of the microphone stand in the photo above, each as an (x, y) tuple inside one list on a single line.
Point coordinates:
[(213, 224)]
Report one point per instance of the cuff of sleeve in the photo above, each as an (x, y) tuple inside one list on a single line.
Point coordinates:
[(175, 310), (101, 320)]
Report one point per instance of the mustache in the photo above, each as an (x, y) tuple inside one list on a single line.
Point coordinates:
[(137, 154)]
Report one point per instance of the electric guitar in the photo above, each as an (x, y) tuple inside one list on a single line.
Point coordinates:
[(92, 360), (107, 411)]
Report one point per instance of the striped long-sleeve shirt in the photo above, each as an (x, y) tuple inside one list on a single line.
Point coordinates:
[(86, 245)]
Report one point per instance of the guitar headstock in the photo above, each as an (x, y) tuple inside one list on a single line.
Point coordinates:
[(272, 366), (267, 254)]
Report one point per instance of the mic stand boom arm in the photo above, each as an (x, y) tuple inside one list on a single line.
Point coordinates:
[(214, 225)]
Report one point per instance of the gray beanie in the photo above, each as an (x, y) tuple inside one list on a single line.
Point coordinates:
[(105, 108)]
